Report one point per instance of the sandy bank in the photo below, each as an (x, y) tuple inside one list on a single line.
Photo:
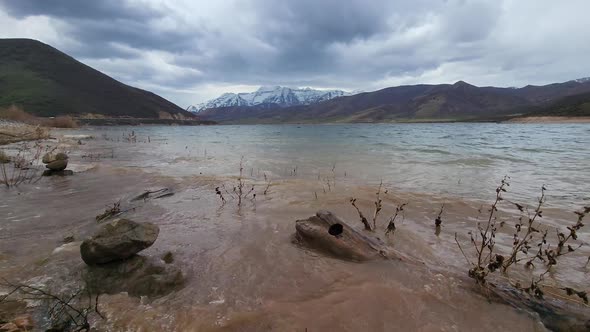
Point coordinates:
[(551, 119)]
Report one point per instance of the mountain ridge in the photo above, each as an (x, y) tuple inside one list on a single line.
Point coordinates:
[(460, 101), (279, 96)]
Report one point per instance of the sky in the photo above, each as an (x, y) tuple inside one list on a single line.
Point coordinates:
[(189, 51)]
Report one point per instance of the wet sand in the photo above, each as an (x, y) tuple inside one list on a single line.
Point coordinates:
[(244, 273)]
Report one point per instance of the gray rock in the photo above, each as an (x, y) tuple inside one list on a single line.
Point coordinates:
[(51, 157), (139, 276), (118, 240), (58, 165)]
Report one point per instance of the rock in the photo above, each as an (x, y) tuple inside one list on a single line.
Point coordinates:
[(118, 240), (68, 239), (327, 233), (50, 157), (168, 258), (58, 165), (138, 276)]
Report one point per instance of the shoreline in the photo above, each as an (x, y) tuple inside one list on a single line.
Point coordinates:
[(551, 119), (503, 120)]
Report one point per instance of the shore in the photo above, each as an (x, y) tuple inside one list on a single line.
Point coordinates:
[(11, 132), (551, 119), (243, 271)]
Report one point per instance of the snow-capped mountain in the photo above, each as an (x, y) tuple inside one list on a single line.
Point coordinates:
[(277, 95)]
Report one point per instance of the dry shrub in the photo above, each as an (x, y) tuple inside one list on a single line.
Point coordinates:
[(61, 122), (15, 113)]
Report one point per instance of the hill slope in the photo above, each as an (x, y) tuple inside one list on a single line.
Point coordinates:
[(576, 105), (459, 101), (47, 82)]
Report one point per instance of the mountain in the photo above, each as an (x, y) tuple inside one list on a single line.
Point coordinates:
[(270, 96), (444, 102), (47, 82)]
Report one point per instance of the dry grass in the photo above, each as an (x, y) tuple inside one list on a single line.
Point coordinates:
[(15, 113), (61, 122)]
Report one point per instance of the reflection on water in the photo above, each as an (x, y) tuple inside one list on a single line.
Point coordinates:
[(243, 271)]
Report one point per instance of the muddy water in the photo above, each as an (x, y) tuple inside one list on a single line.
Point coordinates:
[(243, 271)]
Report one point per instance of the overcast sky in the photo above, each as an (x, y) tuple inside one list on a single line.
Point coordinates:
[(189, 51)]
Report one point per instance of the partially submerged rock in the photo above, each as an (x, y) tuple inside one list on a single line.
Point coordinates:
[(51, 157), (139, 276), (328, 233), (56, 164), (118, 240)]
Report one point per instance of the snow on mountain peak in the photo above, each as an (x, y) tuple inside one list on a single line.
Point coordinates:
[(277, 95)]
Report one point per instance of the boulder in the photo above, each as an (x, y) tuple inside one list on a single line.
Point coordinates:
[(327, 233), (58, 165), (118, 240), (138, 276), (51, 157)]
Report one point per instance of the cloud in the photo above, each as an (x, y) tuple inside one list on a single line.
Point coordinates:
[(189, 51)]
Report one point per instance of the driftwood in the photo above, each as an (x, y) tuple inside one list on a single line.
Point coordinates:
[(556, 314), (328, 233), (160, 193)]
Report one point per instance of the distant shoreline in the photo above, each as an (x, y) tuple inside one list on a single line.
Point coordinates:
[(505, 120), (139, 121), (551, 119)]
